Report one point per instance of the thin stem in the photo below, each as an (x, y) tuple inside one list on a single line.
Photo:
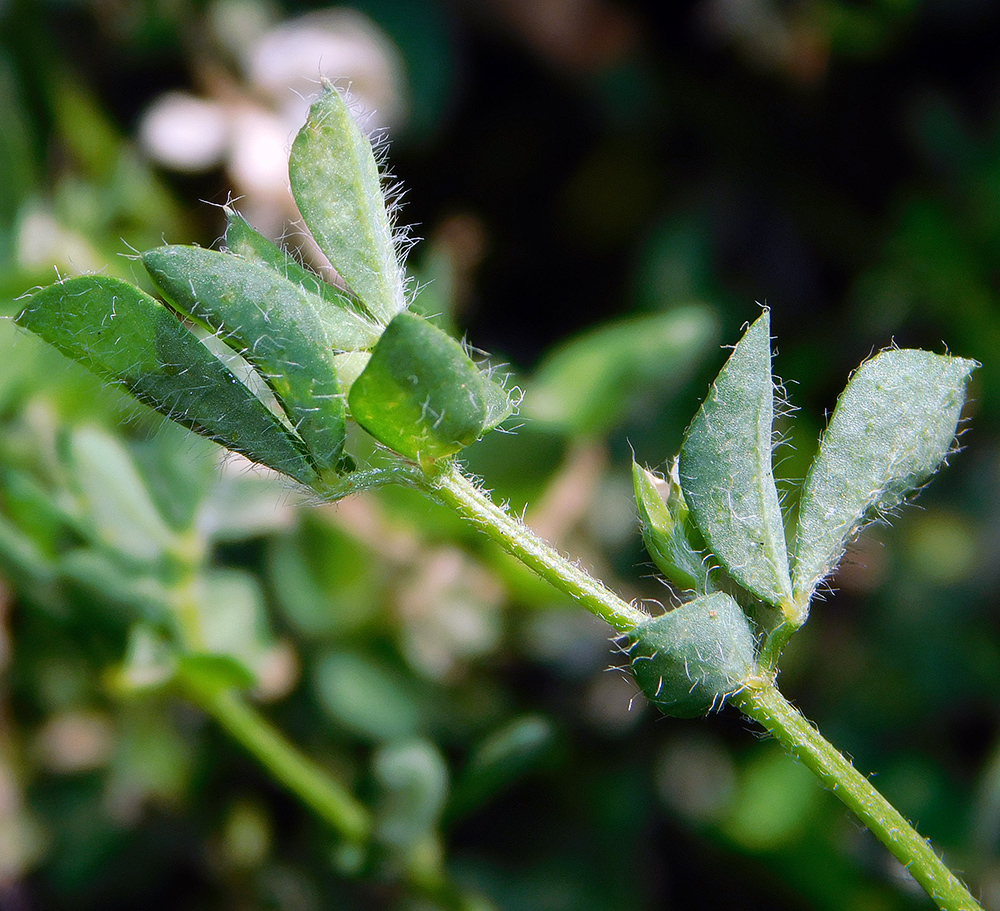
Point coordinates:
[(796, 734), (313, 785), (454, 489)]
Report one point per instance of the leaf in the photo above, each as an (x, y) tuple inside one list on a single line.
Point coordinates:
[(725, 471), (689, 660), (126, 336), (667, 531), (412, 778), (591, 382), (275, 325), (893, 427), (336, 184), (243, 241), (117, 504), (420, 394)]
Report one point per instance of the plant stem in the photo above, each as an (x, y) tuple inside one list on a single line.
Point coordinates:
[(454, 489), (796, 734), (313, 785), (762, 702)]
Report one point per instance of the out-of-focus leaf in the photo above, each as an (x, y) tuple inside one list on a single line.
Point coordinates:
[(413, 786), (892, 428), (367, 697), (127, 337), (210, 674), (338, 189), (115, 501), (590, 383), (500, 760), (725, 471), (232, 619)]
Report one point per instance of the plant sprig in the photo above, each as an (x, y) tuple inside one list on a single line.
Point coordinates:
[(293, 358)]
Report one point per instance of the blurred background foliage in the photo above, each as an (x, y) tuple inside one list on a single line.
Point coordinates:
[(605, 189)]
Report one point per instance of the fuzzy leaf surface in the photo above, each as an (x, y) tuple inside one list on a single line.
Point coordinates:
[(892, 428), (420, 394), (125, 336), (725, 471), (276, 325), (243, 241), (690, 659), (336, 184)]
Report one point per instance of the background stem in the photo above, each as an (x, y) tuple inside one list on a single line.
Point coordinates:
[(796, 734)]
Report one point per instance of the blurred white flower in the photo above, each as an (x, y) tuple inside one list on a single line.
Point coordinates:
[(248, 126)]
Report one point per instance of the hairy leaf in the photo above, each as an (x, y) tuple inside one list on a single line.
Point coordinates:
[(271, 322), (892, 428), (420, 394), (690, 659), (127, 337), (336, 183), (725, 471)]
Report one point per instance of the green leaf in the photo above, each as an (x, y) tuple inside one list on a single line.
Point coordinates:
[(336, 184), (893, 427), (116, 502), (689, 660), (420, 394), (667, 530), (504, 757), (725, 471), (275, 325), (243, 241), (590, 383), (126, 336), (413, 785), (210, 674)]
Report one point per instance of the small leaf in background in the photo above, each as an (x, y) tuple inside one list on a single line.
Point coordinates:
[(725, 470), (667, 530), (589, 383), (210, 674), (114, 498), (500, 760), (413, 786), (367, 696), (126, 336), (893, 426), (420, 394), (232, 618), (276, 326), (336, 184), (690, 659)]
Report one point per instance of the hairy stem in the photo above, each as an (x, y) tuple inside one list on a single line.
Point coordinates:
[(763, 703), (796, 734), (454, 489)]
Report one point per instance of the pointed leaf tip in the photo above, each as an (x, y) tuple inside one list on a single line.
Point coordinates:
[(892, 428), (725, 470)]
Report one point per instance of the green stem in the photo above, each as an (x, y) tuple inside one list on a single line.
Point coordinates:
[(454, 489), (313, 785), (767, 706)]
